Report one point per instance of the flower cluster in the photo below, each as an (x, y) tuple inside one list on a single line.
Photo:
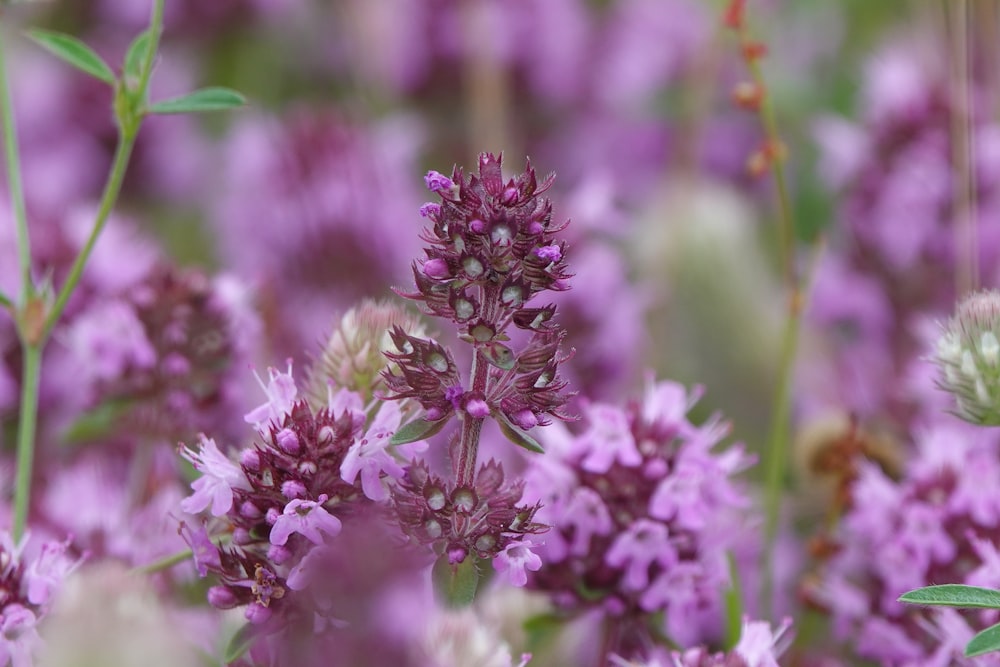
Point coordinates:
[(482, 519), (938, 524), (642, 514), (27, 588), (162, 354), (284, 499), (491, 249), (968, 355)]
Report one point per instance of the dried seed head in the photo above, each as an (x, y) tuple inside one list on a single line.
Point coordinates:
[(968, 358)]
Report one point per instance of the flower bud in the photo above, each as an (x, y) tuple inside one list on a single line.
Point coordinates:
[(968, 357)]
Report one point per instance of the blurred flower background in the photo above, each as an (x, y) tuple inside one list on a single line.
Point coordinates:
[(800, 306)]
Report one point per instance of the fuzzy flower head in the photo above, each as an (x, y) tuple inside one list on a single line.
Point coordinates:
[(641, 511), (968, 356), (352, 357)]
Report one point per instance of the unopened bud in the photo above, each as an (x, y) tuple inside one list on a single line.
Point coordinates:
[(748, 95), (968, 358)]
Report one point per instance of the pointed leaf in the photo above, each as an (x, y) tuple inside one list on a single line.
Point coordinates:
[(516, 435), (74, 52), (954, 595), (986, 641), (455, 585), (135, 58), (206, 99), (418, 429), (240, 643)]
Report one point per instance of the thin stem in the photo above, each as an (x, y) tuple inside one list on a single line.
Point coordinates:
[(786, 224), (14, 184), (777, 451), (27, 420), (963, 146), (468, 451), (6, 302), (164, 563), (116, 175)]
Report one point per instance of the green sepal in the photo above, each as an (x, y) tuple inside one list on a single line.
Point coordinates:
[(240, 643), (516, 435), (418, 429), (954, 595), (205, 99), (499, 355), (985, 642), (455, 585), (75, 52)]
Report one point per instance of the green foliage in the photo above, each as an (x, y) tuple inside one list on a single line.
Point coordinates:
[(455, 585), (239, 644), (516, 435), (986, 641), (418, 429), (206, 99), (954, 595), (73, 51)]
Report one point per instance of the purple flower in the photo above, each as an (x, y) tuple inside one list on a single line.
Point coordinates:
[(643, 544), (368, 455), (45, 574), (607, 440), (306, 517), (514, 560), (438, 182), (281, 392), (219, 477), (18, 636), (206, 554)]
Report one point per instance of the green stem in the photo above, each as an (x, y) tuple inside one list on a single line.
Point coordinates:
[(14, 185), (27, 420), (164, 563), (34, 337), (5, 302), (777, 451), (117, 174), (786, 223)]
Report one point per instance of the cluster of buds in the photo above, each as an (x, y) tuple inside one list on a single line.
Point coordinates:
[(491, 249), (483, 519), (968, 356), (160, 355), (642, 513), (285, 498)]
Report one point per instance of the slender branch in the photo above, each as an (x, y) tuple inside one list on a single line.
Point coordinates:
[(27, 420), (14, 184), (116, 175), (962, 150)]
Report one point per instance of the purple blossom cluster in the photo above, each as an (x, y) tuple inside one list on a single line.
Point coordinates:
[(643, 515), (30, 575), (937, 523), (284, 499)]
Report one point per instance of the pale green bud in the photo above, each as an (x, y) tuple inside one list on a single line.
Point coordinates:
[(968, 356), (352, 357)]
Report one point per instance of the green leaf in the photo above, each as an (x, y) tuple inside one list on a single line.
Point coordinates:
[(418, 429), (541, 629), (516, 435), (455, 585), (986, 641), (734, 604), (75, 52), (97, 423), (954, 595), (240, 643), (206, 99), (135, 58)]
